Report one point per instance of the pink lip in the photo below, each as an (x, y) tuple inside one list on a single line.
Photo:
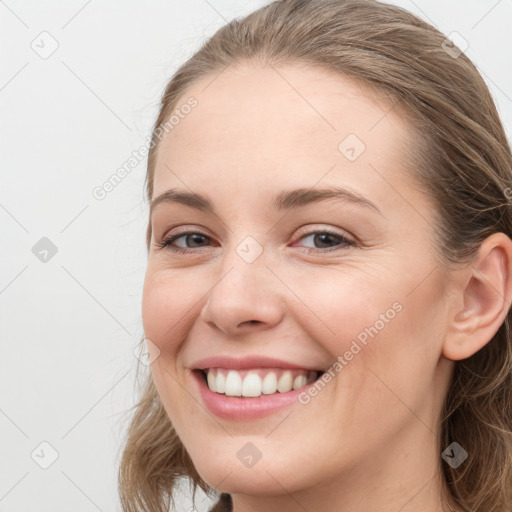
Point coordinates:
[(244, 363), (241, 408)]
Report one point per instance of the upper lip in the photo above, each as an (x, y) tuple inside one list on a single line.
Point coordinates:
[(243, 363)]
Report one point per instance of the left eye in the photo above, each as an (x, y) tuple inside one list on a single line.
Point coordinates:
[(326, 237)]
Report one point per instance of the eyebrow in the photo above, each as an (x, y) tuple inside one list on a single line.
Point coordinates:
[(283, 201)]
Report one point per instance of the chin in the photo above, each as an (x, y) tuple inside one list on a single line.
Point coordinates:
[(227, 474)]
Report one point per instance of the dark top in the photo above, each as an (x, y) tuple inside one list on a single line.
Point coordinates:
[(224, 504)]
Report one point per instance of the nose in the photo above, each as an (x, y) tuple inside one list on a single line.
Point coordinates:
[(246, 298)]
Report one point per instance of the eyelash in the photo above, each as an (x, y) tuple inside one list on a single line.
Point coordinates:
[(167, 241)]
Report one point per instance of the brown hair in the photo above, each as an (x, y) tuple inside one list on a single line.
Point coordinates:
[(463, 162)]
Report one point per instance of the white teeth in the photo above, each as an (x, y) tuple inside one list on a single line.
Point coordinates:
[(300, 380), (285, 383), (233, 384), (251, 385), (269, 385), (254, 383), (220, 382), (212, 382)]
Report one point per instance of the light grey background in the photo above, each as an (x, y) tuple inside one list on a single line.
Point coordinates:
[(68, 121)]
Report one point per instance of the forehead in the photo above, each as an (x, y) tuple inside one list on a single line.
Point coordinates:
[(264, 125)]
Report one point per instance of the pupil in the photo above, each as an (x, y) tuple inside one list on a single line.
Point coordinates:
[(324, 235), (195, 236)]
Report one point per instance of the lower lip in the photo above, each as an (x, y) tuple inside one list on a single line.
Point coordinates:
[(243, 408)]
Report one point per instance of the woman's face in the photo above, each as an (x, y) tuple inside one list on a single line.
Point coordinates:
[(262, 278)]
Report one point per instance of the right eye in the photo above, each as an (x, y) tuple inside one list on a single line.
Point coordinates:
[(169, 241)]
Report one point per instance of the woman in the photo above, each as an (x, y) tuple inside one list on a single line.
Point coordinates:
[(326, 302)]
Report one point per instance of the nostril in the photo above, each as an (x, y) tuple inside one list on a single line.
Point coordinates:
[(250, 322)]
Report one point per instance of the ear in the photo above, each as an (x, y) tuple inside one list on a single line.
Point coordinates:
[(484, 296)]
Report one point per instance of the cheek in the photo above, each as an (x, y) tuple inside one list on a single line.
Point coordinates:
[(394, 373), (166, 310), (339, 309), (380, 329), (167, 317), (164, 314)]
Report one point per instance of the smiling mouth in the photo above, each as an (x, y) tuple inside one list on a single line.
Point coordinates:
[(256, 382)]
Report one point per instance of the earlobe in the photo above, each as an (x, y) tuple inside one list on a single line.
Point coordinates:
[(486, 293)]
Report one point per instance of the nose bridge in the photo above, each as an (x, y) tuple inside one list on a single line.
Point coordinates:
[(249, 250), (244, 293), (243, 269)]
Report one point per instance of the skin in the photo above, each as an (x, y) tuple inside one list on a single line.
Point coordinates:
[(368, 440)]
